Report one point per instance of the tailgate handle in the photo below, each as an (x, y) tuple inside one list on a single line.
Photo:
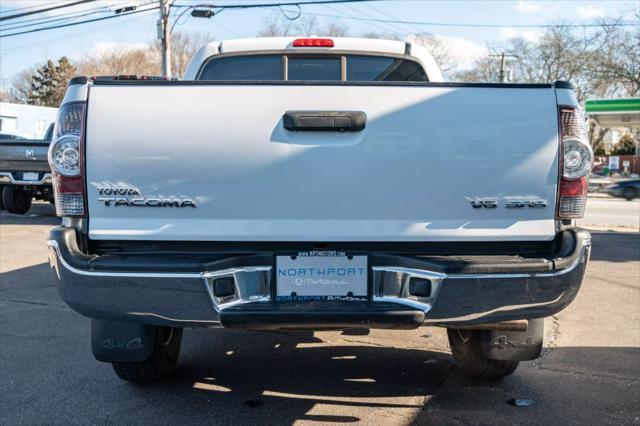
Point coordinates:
[(324, 121)]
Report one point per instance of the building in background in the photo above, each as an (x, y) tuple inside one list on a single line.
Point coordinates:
[(611, 139), (28, 121), (620, 115)]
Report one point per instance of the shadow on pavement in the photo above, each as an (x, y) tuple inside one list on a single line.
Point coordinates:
[(39, 214), (615, 246), (284, 376), (570, 385), (248, 377)]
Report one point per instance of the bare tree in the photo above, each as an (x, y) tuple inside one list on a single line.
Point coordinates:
[(334, 28), (439, 49), (20, 88), (306, 26), (604, 61), (144, 60), (386, 36), (183, 47), (615, 67), (276, 25), (482, 71), (135, 61)]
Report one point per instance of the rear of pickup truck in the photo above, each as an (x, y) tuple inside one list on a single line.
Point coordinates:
[(318, 184), (24, 172)]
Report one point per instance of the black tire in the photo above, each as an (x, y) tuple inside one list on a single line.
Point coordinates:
[(16, 200), (1, 201), (466, 348), (166, 350), (629, 194)]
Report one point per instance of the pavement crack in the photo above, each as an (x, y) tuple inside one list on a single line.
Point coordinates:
[(364, 342), (587, 374), (552, 343), (29, 302)]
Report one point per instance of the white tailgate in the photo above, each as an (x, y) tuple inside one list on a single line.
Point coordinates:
[(409, 175)]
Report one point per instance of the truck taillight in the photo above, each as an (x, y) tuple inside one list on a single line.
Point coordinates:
[(576, 162), (66, 160)]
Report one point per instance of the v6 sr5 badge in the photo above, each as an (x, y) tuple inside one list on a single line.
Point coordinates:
[(532, 202)]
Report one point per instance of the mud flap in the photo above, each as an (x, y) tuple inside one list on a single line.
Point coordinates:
[(515, 345), (116, 341)]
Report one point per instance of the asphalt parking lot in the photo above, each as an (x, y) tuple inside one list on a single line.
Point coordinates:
[(589, 372)]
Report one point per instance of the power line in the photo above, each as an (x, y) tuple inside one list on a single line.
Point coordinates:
[(46, 18), (51, 19), (30, 7), (236, 6), (32, 12), (450, 24), (81, 22), (303, 3), (350, 16), (393, 27), (275, 4), (23, 23), (370, 6), (28, 46), (232, 6)]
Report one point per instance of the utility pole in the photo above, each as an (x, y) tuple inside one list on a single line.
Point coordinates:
[(502, 75), (165, 37)]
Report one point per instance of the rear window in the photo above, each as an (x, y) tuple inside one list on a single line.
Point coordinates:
[(310, 68), (313, 68), (255, 67), (382, 68)]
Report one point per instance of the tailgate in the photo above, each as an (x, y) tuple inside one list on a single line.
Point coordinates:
[(421, 170), (24, 156)]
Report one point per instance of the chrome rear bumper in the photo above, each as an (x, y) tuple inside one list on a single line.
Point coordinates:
[(7, 178), (187, 298)]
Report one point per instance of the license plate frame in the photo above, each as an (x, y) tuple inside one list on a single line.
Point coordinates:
[(321, 275), (30, 176)]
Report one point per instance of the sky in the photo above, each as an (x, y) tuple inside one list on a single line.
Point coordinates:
[(23, 51)]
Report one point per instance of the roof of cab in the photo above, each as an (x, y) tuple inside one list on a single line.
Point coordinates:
[(340, 44)]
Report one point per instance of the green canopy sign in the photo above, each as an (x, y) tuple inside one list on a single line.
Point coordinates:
[(614, 112)]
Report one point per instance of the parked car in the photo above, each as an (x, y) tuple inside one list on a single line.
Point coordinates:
[(24, 172), (628, 189), (318, 183)]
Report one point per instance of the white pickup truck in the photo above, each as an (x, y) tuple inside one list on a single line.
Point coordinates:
[(319, 184)]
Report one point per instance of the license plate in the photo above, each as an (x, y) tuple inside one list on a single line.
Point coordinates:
[(321, 276), (30, 176)]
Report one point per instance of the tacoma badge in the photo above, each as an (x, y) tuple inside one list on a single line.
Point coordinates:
[(125, 194)]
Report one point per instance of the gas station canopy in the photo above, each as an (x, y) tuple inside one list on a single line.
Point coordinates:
[(614, 112)]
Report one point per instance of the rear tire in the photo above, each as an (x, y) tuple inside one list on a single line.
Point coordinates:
[(166, 350), (629, 194), (466, 348), (1, 202), (16, 200)]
